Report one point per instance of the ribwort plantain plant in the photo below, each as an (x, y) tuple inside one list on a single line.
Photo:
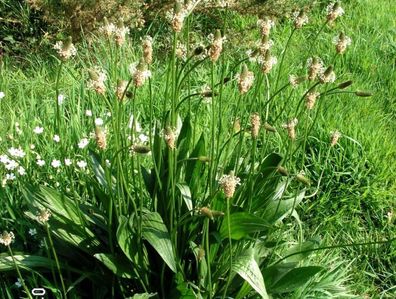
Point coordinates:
[(183, 193)]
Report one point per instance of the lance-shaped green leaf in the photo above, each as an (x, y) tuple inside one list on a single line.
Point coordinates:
[(242, 224), (294, 279), (24, 261), (246, 266), (279, 208), (186, 194), (115, 264), (156, 233)]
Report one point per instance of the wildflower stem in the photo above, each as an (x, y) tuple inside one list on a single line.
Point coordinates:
[(19, 272), (207, 248), (283, 58), (58, 116), (56, 259), (230, 245), (315, 38)]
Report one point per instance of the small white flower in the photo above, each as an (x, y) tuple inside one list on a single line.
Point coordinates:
[(16, 152), (55, 163), (11, 165), (143, 138), (61, 99), (82, 164), (2, 95), (18, 283), (68, 162), (32, 231), (32, 146), (83, 143), (108, 114), (108, 164), (40, 163), (56, 138), (38, 130), (4, 159), (88, 113), (98, 121), (21, 170), (10, 177)]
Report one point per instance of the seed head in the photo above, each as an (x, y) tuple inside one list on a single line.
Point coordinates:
[(315, 67), (245, 80), (140, 149), (179, 14), (345, 84), (216, 46), (342, 42), (265, 25), (334, 137), (311, 99), (120, 32), (6, 238), (300, 19), (295, 81), (121, 86), (255, 124), (268, 62), (205, 211), (170, 138), (65, 49), (237, 125), (147, 45), (228, 183), (291, 128), (265, 44), (97, 78), (328, 76), (100, 136), (269, 128), (139, 73), (107, 29), (44, 215), (334, 10)]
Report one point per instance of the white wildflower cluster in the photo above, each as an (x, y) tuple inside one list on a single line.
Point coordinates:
[(12, 165), (2, 94)]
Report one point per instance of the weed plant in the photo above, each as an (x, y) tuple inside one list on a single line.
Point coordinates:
[(139, 177)]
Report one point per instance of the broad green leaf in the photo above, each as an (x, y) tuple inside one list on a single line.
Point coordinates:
[(115, 264), (156, 233), (242, 224), (294, 279), (186, 194), (24, 261), (246, 266), (300, 251), (125, 238), (278, 209)]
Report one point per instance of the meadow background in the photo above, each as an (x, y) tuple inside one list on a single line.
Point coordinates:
[(351, 215)]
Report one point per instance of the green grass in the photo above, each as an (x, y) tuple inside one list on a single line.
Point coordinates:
[(115, 210)]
